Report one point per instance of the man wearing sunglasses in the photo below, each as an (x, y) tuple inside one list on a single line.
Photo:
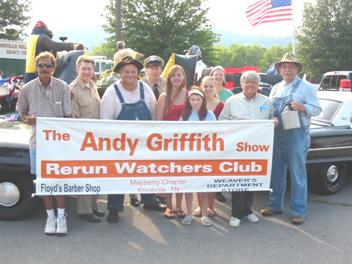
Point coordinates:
[(45, 96)]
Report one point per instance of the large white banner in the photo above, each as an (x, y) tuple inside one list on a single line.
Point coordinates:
[(77, 156)]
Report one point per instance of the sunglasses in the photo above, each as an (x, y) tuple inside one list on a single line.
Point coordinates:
[(47, 66)]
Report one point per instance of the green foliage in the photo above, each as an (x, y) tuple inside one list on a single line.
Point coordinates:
[(162, 27), (238, 55), (13, 18), (106, 49), (273, 54), (325, 37)]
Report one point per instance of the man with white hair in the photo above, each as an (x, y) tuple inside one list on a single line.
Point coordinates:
[(291, 145), (247, 105)]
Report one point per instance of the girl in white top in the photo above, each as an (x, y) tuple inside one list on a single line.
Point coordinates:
[(196, 110)]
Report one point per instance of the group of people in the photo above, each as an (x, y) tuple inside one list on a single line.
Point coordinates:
[(157, 99)]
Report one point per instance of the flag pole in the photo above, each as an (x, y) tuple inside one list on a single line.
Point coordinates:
[(294, 28)]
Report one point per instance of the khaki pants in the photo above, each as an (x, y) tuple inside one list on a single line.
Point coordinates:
[(86, 204)]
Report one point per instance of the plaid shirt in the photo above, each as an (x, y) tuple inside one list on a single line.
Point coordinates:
[(38, 101)]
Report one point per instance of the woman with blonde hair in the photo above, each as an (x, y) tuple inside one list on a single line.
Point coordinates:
[(169, 108), (218, 72)]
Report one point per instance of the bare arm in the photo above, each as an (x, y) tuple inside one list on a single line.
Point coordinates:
[(160, 107), (48, 44)]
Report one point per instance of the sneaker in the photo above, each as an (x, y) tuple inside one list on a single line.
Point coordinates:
[(252, 218), (50, 227), (206, 221), (61, 229), (234, 222), (187, 220)]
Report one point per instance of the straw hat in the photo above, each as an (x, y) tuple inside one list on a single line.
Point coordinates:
[(289, 58), (128, 61)]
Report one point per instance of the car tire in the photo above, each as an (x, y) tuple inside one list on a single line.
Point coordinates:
[(327, 178), (19, 203)]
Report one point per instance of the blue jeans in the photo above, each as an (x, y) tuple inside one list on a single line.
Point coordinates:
[(33, 160), (290, 151), (115, 201)]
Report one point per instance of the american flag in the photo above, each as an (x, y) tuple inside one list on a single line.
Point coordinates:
[(266, 11)]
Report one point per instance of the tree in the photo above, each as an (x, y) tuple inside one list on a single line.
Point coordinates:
[(325, 37), (273, 54), (13, 18), (251, 55), (106, 49), (162, 27)]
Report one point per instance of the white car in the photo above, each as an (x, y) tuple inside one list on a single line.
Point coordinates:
[(102, 64)]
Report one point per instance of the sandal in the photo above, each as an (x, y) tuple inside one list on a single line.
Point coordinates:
[(179, 213), (211, 213), (187, 220), (197, 212), (206, 221), (169, 214)]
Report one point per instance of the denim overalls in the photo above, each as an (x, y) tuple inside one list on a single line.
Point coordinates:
[(135, 111), (290, 150)]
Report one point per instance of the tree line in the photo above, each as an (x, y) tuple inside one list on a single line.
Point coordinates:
[(166, 26)]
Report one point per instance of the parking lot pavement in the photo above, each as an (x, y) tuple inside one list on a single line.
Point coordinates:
[(147, 237)]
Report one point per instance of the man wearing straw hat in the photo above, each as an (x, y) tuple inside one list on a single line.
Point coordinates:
[(291, 145)]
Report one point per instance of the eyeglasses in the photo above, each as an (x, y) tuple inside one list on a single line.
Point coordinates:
[(47, 66)]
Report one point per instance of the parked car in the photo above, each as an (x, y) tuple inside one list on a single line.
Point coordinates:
[(16, 184), (102, 64), (331, 80), (330, 156)]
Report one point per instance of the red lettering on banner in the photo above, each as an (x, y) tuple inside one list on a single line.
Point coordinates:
[(245, 147), (185, 142), (55, 136)]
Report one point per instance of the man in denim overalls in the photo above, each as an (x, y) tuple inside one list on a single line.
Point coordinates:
[(128, 99), (291, 146)]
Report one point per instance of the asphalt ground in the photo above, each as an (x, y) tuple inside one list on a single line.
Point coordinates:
[(143, 236)]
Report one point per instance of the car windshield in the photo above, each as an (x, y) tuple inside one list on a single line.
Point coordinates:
[(106, 66), (331, 82), (329, 108)]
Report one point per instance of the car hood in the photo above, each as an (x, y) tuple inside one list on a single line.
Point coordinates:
[(14, 133)]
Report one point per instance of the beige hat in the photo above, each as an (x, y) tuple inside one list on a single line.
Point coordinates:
[(121, 54), (289, 58)]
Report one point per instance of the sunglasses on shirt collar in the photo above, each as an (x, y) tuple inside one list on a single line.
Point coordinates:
[(47, 66)]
